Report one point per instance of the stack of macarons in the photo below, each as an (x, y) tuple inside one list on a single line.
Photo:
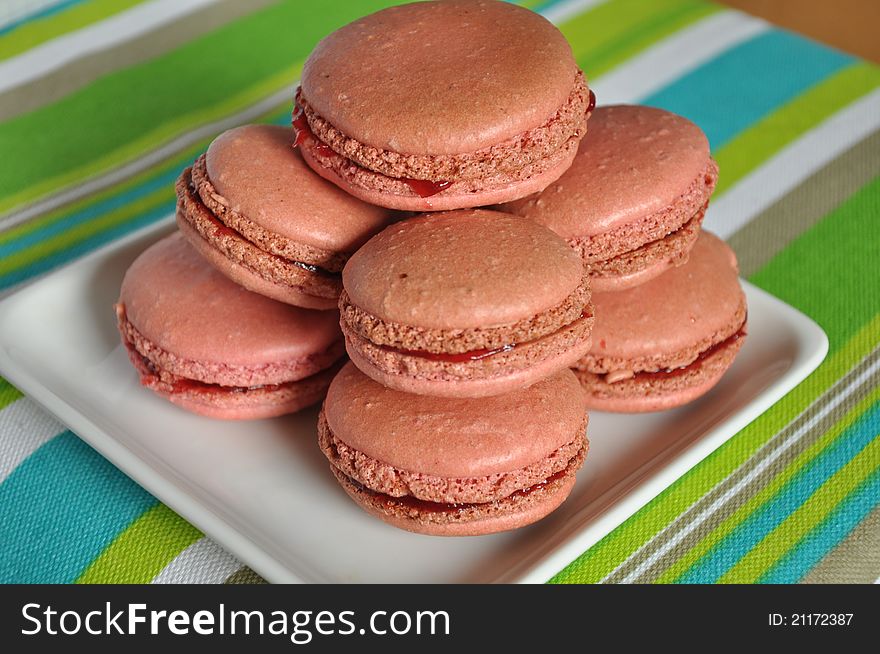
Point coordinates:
[(440, 213), (670, 312)]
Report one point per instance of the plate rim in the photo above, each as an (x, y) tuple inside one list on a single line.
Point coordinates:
[(240, 545)]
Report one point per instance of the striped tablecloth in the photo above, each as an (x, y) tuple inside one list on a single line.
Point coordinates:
[(103, 101)]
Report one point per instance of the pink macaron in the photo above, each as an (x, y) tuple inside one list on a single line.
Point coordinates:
[(252, 207), (433, 106), (459, 467), (217, 349), (633, 200), (465, 303), (668, 341)]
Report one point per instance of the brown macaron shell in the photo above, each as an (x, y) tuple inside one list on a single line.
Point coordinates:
[(465, 303), (633, 200), (454, 466), (259, 213), (667, 341), (486, 100)]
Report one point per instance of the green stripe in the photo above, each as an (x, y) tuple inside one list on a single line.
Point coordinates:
[(8, 393), (143, 550), (798, 523), (259, 58), (804, 206), (785, 125), (828, 272), (736, 489), (45, 29), (815, 269), (613, 32), (783, 476)]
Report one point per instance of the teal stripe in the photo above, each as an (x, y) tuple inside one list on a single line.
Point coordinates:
[(729, 93), (827, 535), (45, 12), (714, 563), (85, 246), (68, 503), (165, 177)]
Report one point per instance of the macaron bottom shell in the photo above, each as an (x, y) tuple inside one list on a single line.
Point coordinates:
[(244, 263), (435, 519), (234, 402), (378, 189), (648, 261), (498, 373), (657, 391)]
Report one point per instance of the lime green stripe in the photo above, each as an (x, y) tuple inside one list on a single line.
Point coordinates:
[(141, 551), (784, 476), (602, 558), (810, 274), (8, 393), (830, 271), (766, 137), (259, 59), (782, 539), (44, 29), (613, 32), (71, 237)]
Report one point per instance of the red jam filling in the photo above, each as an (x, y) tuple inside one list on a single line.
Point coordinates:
[(461, 357), (592, 104), (424, 506), (698, 362), (302, 132), (425, 188)]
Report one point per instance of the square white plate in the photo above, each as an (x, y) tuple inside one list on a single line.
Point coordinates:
[(263, 489)]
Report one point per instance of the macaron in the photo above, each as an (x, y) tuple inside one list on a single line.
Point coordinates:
[(253, 208), (454, 467), (465, 303), (442, 105), (633, 200), (217, 349), (668, 341)]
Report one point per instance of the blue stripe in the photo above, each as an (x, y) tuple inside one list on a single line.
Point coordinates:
[(725, 554), (823, 538), (67, 503), (45, 12), (729, 93)]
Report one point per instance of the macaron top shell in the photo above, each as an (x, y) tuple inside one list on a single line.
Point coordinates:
[(260, 175), (178, 301), (690, 304), (440, 77), (454, 438), (634, 161), (462, 269)]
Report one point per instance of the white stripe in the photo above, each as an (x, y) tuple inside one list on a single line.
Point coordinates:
[(100, 36), (662, 64), (791, 165), (776, 451), (562, 11), (24, 427), (203, 562)]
